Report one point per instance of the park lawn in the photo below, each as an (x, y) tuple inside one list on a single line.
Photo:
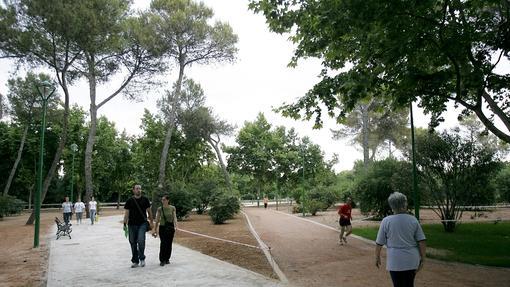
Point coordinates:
[(473, 243)]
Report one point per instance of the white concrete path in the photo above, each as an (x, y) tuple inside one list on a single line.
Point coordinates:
[(99, 255)]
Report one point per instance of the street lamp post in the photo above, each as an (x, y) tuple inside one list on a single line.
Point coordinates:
[(303, 193), (74, 149), (416, 194), (45, 90)]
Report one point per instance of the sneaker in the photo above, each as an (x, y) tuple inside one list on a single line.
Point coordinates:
[(345, 239), (142, 263), (134, 265), (167, 262), (161, 263)]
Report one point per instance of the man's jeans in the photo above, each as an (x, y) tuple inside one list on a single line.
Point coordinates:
[(137, 241), (67, 217), (92, 216)]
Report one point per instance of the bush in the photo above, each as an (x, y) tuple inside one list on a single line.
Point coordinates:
[(502, 184), (324, 197), (223, 208), (10, 205), (380, 180), (204, 192), (182, 200), (297, 209), (314, 206)]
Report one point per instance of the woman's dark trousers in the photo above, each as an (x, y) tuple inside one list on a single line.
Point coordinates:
[(166, 236)]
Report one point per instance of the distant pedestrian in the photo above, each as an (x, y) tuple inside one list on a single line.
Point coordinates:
[(405, 242), (266, 200), (345, 212), (137, 210), (67, 210), (166, 224), (79, 207), (92, 210)]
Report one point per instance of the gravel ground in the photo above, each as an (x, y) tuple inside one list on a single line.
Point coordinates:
[(309, 255), (99, 255)]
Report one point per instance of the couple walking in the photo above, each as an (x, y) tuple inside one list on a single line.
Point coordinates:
[(138, 218)]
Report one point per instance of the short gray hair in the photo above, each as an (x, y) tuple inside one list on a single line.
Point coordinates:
[(397, 202)]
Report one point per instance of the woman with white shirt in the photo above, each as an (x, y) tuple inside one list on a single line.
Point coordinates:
[(92, 210), (404, 240)]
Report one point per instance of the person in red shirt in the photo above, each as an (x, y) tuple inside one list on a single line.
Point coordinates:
[(345, 211)]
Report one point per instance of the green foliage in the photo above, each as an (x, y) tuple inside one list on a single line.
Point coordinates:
[(455, 172), (205, 191), (182, 199), (465, 245), (322, 198), (10, 205), (502, 184), (453, 50), (382, 178), (314, 205), (275, 159), (223, 208)]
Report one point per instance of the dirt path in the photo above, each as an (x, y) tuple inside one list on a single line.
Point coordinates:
[(309, 255)]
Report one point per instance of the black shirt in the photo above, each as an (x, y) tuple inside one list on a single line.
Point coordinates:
[(135, 217)]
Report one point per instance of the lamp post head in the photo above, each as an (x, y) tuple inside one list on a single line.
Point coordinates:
[(74, 147), (45, 89)]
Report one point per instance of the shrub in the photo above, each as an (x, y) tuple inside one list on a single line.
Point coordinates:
[(223, 208), (182, 200), (314, 206), (204, 192), (10, 205), (323, 197), (502, 184), (380, 180), (297, 209)]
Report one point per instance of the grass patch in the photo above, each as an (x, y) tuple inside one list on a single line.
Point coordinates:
[(473, 243)]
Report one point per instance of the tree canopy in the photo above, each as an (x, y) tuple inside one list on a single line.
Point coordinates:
[(400, 51)]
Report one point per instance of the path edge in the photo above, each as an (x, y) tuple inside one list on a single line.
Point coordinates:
[(265, 249)]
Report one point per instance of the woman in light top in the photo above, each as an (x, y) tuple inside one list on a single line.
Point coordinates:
[(404, 240), (166, 224), (79, 207), (92, 210)]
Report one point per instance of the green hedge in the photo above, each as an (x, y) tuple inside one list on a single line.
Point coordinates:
[(223, 208), (10, 205)]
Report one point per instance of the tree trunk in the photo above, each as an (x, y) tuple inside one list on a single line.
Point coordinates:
[(170, 126), (91, 137), (214, 144), (365, 133), (16, 162)]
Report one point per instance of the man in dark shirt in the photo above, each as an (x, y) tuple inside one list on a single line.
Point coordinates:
[(135, 216)]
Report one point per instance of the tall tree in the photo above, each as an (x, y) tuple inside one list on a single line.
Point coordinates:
[(3, 106), (253, 154), (437, 51), (455, 172), (112, 42), (199, 121), (42, 33), (187, 38), (372, 126), (22, 98)]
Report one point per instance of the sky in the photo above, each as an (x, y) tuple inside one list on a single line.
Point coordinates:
[(258, 81)]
